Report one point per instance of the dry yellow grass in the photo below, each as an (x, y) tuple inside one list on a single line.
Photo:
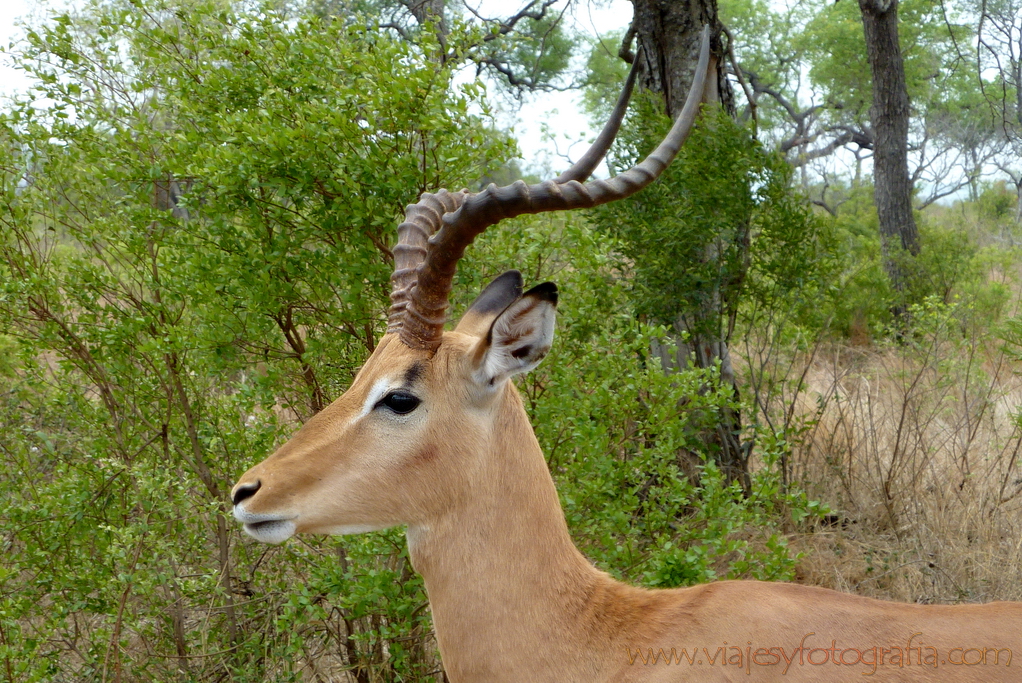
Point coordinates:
[(917, 450)]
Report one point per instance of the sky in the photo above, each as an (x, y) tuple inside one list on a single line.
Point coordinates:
[(559, 111), (11, 10)]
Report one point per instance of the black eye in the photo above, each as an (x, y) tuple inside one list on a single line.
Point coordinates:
[(400, 402)]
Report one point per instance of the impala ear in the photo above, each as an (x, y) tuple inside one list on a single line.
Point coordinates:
[(518, 338), (503, 291)]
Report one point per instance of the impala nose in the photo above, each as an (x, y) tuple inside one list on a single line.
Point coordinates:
[(243, 491)]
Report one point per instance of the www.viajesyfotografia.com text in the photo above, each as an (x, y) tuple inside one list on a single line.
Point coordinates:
[(812, 651)]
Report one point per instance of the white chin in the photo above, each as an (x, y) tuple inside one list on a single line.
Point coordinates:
[(275, 531)]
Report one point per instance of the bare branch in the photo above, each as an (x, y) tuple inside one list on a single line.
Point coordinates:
[(625, 52), (741, 78), (505, 26), (399, 29)]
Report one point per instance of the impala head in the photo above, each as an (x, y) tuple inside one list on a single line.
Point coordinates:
[(402, 442), (401, 445)]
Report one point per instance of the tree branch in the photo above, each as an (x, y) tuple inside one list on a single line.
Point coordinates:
[(749, 96)]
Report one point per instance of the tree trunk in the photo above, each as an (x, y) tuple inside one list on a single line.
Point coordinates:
[(892, 187), (668, 31)]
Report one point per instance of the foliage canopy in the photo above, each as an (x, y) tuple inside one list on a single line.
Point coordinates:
[(194, 251)]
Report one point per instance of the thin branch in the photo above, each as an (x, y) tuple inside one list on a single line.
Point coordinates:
[(401, 31), (741, 78), (625, 52)]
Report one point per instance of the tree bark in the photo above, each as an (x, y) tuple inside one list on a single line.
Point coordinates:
[(892, 187), (668, 31)]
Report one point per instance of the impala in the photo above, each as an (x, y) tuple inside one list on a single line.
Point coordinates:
[(432, 434)]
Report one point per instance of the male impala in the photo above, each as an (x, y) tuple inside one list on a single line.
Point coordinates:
[(432, 434)]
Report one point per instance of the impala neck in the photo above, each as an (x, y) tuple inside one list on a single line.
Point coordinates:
[(507, 587)]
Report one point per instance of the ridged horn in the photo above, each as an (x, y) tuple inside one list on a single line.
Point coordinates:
[(439, 228)]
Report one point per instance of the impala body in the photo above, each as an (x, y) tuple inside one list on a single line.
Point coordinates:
[(512, 598), (432, 434)]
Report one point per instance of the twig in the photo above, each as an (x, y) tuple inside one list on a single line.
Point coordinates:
[(741, 78)]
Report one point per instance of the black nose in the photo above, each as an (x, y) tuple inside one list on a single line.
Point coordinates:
[(246, 491)]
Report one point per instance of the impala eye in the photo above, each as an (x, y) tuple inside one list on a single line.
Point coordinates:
[(400, 402)]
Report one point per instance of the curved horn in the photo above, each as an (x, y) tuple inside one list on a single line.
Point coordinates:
[(465, 215), (423, 218), (584, 167)]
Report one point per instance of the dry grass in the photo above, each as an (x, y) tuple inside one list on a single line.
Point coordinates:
[(916, 448)]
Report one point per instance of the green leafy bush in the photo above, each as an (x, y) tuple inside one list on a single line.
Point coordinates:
[(614, 430), (721, 229), (193, 260)]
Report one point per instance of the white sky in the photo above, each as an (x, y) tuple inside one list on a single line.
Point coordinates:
[(560, 111), (11, 10)]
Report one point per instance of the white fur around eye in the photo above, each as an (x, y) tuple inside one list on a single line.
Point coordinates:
[(378, 391)]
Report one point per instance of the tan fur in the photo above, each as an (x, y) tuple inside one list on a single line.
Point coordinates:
[(514, 600)]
